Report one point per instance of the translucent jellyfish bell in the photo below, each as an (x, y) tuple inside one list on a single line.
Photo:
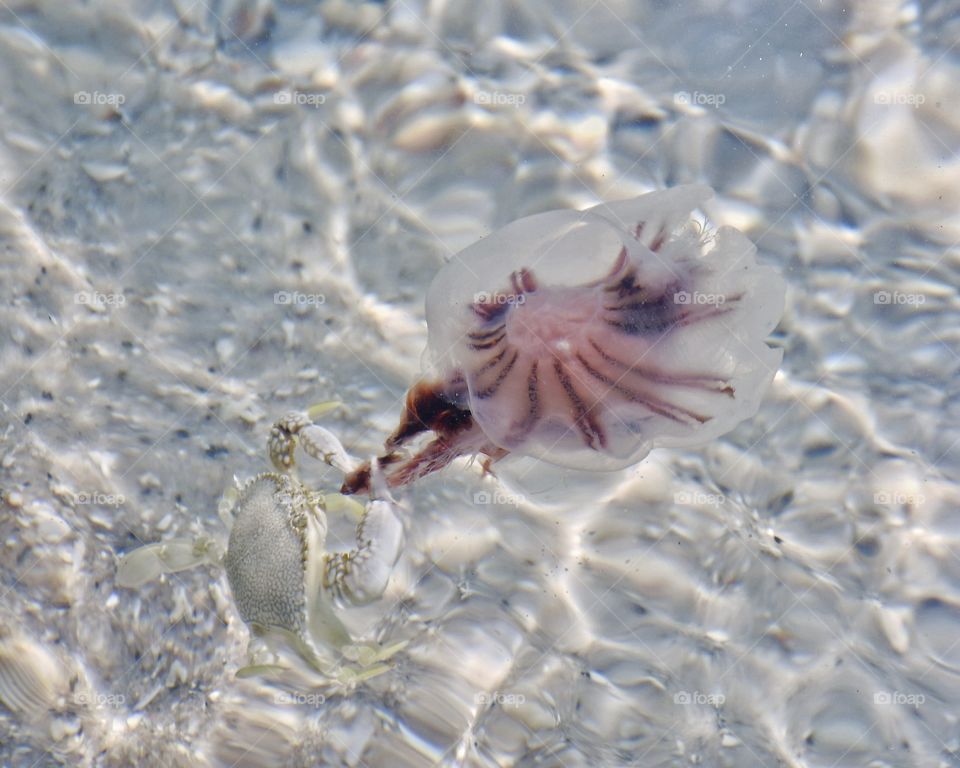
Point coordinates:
[(587, 338)]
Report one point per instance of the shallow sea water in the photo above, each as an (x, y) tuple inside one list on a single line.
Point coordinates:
[(215, 212)]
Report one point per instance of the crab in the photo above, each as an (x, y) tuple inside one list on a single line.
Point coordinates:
[(285, 585)]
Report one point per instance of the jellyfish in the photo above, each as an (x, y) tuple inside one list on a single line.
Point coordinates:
[(588, 338)]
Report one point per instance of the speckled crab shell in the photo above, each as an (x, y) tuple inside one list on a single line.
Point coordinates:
[(268, 562)]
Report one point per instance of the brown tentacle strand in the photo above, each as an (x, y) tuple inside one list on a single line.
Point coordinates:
[(696, 381), (524, 427), (489, 344), (658, 406), (592, 432), (490, 390), (484, 335)]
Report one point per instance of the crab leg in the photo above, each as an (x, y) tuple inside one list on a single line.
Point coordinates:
[(148, 562)]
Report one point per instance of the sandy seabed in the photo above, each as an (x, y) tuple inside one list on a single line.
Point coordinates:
[(213, 213)]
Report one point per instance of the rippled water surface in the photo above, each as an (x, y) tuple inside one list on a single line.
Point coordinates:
[(214, 212)]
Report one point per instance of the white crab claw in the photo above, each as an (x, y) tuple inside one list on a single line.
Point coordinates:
[(361, 576), (318, 442)]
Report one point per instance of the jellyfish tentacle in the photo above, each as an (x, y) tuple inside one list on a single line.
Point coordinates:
[(592, 432), (520, 430), (663, 232), (490, 309), (612, 283), (502, 374), (434, 456), (533, 395), (655, 404), (492, 361), (489, 343), (494, 307), (692, 315), (528, 281), (658, 241), (484, 335), (705, 382), (523, 281)]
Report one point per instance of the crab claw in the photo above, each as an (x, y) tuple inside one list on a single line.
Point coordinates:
[(318, 442), (361, 575)]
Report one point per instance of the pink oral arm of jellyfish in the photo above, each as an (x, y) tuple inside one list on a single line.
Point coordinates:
[(587, 338)]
